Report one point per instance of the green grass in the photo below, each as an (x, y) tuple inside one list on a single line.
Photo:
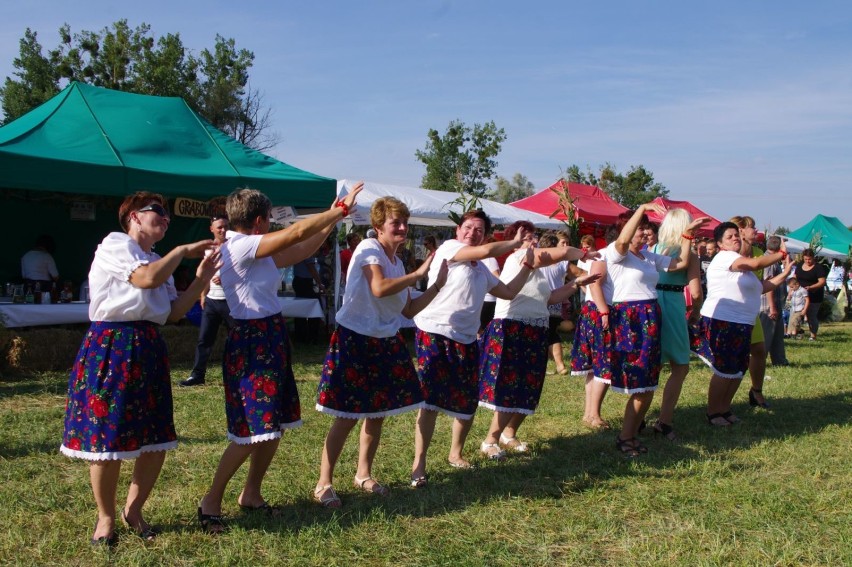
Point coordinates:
[(773, 490)]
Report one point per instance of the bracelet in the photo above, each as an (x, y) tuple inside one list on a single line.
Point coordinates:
[(688, 236), (585, 253), (437, 289), (783, 254), (604, 313), (343, 206), (527, 265)]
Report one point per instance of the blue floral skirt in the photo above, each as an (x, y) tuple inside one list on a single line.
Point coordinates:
[(723, 346), (366, 376), (635, 357), (448, 372), (119, 394), (261, 399), (512, 366), (590, 351)]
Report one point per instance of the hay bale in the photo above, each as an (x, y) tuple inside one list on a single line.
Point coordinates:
[(54, 348)]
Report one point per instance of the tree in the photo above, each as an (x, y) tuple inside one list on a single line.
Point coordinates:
[(782, 230), (38, 79), (506, 191), (631, 190), (462, 159), (214, 84)]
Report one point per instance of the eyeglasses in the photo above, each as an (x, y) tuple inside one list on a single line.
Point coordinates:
[(155, 207)]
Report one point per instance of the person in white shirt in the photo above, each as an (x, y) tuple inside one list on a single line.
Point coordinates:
[(634, 319), (555, 275), (38, 265), (590, 350), (119, 403), (723, 337), (514, 347), (214, 312), (261, 399), (368, 371), (446, 335)]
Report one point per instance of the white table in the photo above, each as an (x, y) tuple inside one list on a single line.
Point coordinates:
[(29, 315)]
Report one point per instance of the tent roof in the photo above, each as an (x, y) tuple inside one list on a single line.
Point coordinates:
[(431, 208), (795, 246), (592, 203), (705, 231), (92, 140), (835, 236)]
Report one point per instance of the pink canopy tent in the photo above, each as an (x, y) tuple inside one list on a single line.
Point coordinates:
[(592, 203), (705, 231)]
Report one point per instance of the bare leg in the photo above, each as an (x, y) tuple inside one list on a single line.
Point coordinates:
[(718, 400), (232, 459), (332, 448), (595, 392), (733, 386), (461, 427), (555, 352), (757, 369), (146, 470), (103, 475), (498, 423), (671, 393), (634, 413), (515, 421), (423, 431), (261, 458), (368, 444)]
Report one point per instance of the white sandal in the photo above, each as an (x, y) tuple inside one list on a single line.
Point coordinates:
[(327, 497), (514, 444), (374, 488), (488, 450)]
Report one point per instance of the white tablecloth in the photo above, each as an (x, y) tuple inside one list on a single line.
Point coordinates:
[(23, 315)]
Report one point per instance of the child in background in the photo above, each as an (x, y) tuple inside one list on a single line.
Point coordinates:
[(798, 306)]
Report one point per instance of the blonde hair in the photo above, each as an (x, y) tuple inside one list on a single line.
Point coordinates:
[(743, 221), (671, 230)]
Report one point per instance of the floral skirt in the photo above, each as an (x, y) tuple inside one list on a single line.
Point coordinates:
[(512, 366), (366, 376), (635, 358), (261, 399), (119, 394), (448, 372), (723, 346), (590, 351)]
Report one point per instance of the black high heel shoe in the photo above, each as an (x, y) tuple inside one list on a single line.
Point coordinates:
[(752, 399)]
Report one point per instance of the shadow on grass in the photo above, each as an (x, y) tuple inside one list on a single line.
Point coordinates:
[(559, 467)]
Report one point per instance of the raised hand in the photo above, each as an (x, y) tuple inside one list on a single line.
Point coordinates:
[(349, 199), (209, 264), (697, 222), (586, 279), (423, 270), (197, 249)]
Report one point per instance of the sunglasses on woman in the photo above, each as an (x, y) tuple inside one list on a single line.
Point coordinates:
[(155, 207)]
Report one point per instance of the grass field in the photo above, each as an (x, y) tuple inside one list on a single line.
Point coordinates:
[(773, 490)]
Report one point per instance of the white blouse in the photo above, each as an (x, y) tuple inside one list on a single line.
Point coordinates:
[(251, 284), (113, 297)]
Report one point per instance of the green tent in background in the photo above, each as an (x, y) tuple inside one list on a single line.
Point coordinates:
[(833, 232), (66, 165)]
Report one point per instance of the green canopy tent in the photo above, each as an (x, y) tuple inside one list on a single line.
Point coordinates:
[(66, 165), (834, 235)]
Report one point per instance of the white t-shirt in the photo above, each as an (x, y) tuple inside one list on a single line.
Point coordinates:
[(454, 313), (250, 284), (531, 301), (38, 265), (493, 266), (555, 276), (631, 277), (362, 311), (113, 297), (731, 296)]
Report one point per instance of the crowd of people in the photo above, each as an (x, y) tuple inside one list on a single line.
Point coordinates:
[(650, 296)]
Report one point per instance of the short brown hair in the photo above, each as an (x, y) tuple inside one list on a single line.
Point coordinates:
[(245, 205), (385, 206), (513, 228), (743, 221), (135, 202), (477, 214)]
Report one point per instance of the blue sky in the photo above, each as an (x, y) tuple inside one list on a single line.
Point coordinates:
[(742, 107)]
